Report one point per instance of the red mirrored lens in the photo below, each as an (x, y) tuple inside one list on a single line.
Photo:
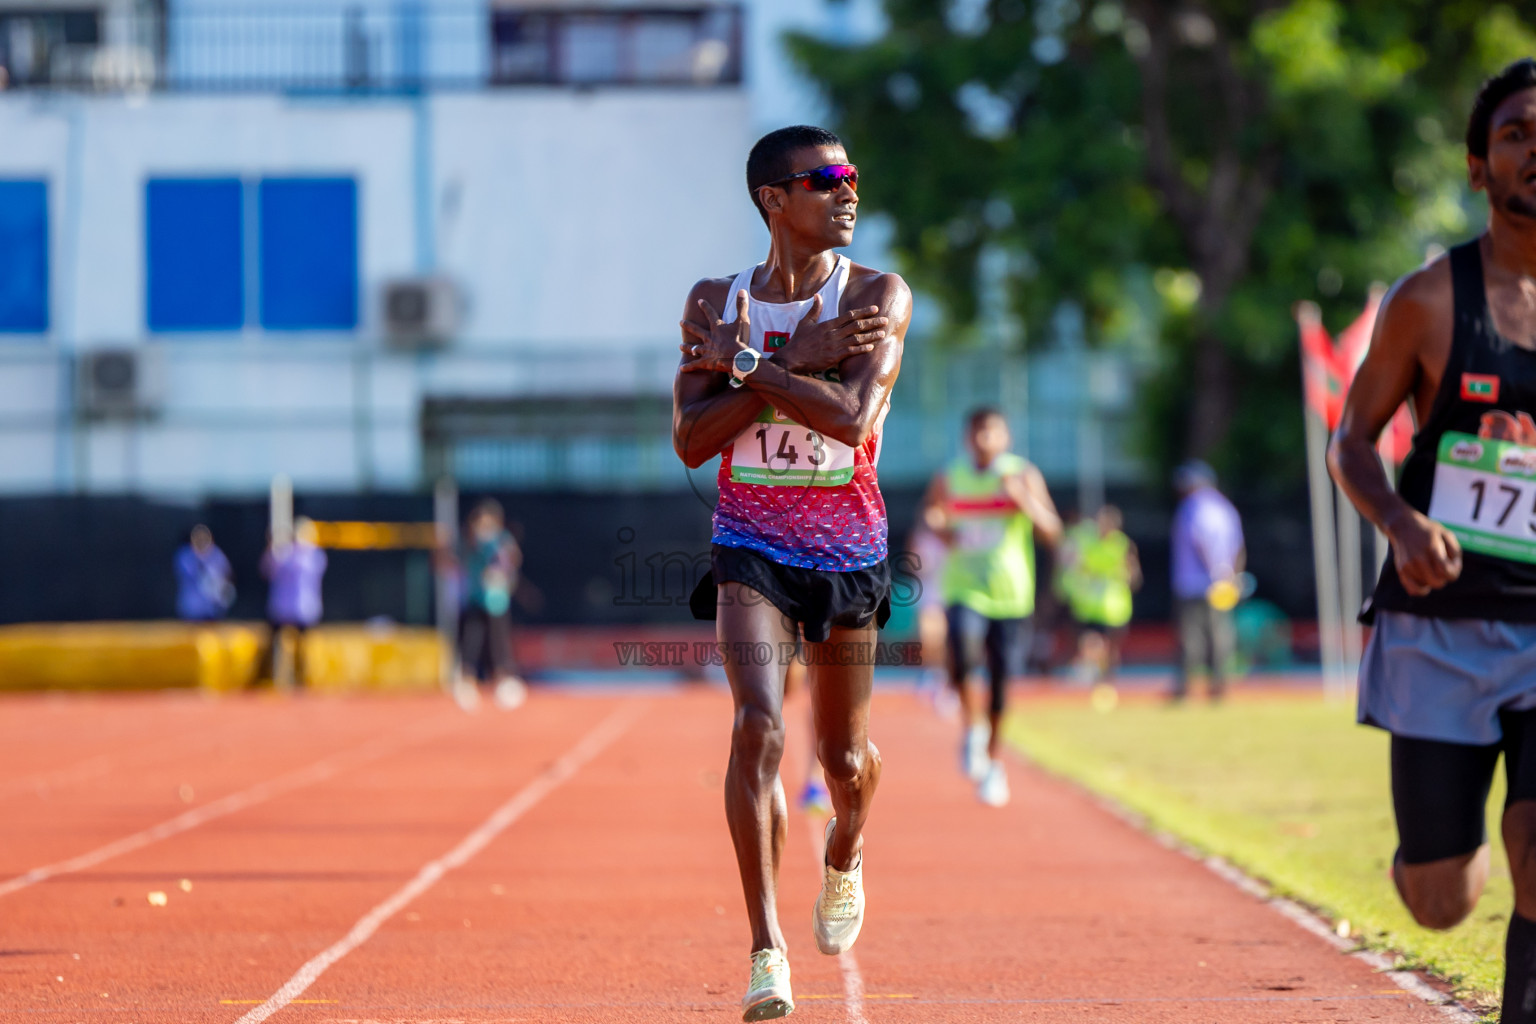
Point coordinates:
[(832, 177)]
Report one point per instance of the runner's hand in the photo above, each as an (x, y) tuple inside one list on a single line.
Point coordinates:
[(1016, 487), (937, 521), (711, 349), (821, 345), (1427, 555)]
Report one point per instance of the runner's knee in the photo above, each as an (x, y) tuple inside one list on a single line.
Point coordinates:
[(1441, 894), (843, 764), (758, 733)]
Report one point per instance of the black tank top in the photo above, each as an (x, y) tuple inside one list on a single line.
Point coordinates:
[(1487, 488)]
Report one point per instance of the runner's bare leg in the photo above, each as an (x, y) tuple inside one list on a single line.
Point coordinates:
[(840, 701), (754, 794)]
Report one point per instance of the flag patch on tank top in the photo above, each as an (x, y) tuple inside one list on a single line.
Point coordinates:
[(774, 340), (1479, 387)]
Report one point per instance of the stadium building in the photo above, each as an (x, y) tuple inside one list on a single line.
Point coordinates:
[(370, 244)]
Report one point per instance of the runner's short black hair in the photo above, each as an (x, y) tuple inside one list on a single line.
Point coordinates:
[(769, 160), (981, 414), (1518, 76)]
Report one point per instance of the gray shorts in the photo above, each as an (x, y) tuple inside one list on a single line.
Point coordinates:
[(1446, 679)]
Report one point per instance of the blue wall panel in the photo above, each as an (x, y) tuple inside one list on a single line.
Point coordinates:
[(195, 259), (23, 257), (308, 253)]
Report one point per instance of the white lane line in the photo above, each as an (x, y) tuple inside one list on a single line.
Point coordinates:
[(321, 770), (103, 764), (1405, 980), (853, 987), (610, 729), (853, 980), (1408, 981), (87, 769)]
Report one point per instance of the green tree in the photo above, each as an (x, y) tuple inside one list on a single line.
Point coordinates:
[(1240, 154)]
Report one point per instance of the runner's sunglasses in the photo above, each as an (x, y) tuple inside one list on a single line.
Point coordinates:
[(825, 179)]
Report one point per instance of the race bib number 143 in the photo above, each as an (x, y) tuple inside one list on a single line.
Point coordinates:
[(1485, 493), (779, 452)]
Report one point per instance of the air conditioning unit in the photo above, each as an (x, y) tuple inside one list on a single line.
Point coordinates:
[(420, 312), (119, 382)]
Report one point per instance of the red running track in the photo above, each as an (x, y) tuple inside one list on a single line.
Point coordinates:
[(394, 861)]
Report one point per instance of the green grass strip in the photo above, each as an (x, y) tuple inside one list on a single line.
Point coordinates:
[(1289, 789)]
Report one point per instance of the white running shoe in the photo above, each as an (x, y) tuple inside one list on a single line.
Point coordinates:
[(466, 694), (993, 790), (839, 912), (768, 994), (973, 752), (510, 693)]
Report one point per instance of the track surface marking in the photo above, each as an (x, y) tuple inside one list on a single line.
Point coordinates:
[(847, 961), (309, 775), (590, 746), (614, 898)]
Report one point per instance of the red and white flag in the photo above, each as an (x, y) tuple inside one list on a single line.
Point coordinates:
[(1330, 369)]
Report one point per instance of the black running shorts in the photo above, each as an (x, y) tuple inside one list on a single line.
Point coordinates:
[(1440, 790), (814, 598)]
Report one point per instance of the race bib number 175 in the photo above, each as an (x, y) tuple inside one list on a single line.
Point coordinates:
[(1485, 493)]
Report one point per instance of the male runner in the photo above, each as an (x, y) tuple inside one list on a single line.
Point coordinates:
[(1106, 571), (787, 373), (1450, 669), (988, 506)]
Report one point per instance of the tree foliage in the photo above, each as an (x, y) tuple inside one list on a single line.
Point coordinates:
[(1239, 154)]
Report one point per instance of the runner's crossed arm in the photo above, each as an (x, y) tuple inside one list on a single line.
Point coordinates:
[(864, 347), (1405, 362)]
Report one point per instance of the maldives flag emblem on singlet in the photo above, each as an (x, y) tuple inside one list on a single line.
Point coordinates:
[(1479, 387), (775, 340)]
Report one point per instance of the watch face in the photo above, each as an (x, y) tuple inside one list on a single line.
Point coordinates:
[(746, 360)]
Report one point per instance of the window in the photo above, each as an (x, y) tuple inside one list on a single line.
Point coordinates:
[(304, 276), (308, 253), (195, 265), (23, 257), (632, 45)]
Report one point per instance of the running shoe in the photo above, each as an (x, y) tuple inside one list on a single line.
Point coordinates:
[(973, 752), (814, 798), (839, 910), (466, 694), (768, 994), (510, 693), (993, 790)]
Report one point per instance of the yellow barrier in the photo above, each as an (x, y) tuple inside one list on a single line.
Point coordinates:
[(217, 658), (130, 656), (338, 659)]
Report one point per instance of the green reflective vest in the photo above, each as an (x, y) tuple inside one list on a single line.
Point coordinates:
[(991, 564), (1101, 592)]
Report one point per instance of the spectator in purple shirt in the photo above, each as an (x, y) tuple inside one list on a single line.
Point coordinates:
[(1207, 557), (294, 569), (204, 590)]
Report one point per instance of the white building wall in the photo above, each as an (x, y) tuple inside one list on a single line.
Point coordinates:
[(574, 221)]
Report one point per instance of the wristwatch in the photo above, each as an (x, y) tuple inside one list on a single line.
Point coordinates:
[(742, 364)]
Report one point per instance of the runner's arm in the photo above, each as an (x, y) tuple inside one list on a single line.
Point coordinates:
[(707, 413), (934, 514), (845, 410), (1028, 491), (1427, 554)]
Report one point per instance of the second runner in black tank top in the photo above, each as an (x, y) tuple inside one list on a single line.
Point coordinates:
[(1473, 467)]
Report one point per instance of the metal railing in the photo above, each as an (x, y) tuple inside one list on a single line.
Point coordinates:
[(372, 48), (225, 418)]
